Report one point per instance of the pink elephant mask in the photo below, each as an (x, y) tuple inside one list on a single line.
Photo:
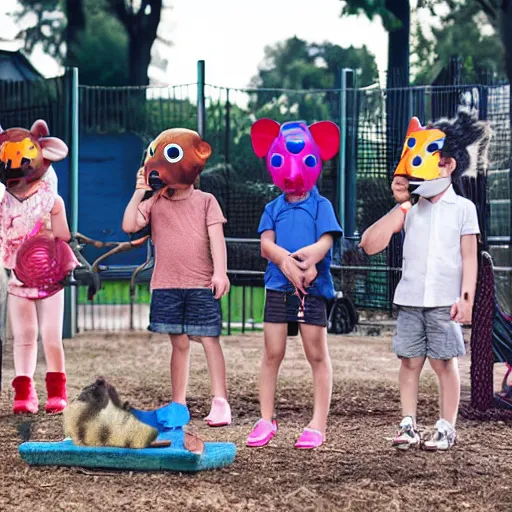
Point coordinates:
[(294, 152)]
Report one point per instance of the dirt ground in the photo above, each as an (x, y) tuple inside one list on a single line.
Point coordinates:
[(356, 470)]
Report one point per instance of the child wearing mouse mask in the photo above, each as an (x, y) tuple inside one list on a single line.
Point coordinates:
[(33, 243), (297, 231), (190, 274), (436, 292)]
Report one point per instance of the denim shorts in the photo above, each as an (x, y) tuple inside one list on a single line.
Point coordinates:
[(285, 307), (427, 332), (192, 311)]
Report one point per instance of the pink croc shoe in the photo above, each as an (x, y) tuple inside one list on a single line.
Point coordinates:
[(220, 413), (262, 433), (309, 439)]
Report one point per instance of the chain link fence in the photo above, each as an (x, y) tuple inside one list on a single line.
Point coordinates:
[(372, 122)]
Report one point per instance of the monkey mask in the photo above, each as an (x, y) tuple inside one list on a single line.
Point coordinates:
[(175, 159), (26, 155), (465, 139)]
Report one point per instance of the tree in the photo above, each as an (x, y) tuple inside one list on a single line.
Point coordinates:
[(465, 32), (498, 12), (140, 19), (294, 67), (77, 32), (297, 64)]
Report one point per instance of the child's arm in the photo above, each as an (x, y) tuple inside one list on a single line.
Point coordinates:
[(462, 310), (314, 253), (133, 219), (220, 281), (282, 258), (377, 237), (60, 226)]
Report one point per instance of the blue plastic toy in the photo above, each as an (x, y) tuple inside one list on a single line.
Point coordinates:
[(168, 420)]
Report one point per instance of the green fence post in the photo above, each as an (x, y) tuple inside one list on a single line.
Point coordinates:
[(350, 154), (347, 165), (70, 297), (342, 161), (201, 109)]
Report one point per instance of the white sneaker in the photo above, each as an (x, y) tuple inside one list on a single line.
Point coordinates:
[(407, 435), (443, 437)]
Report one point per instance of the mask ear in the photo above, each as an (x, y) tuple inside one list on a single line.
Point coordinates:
[(414, 126), (53, 149), (40, 129), (204, 150), (327, 137), (263, 133)]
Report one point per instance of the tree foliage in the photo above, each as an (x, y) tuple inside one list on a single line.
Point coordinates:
[(110, 41), (464, 31), (297, 64)]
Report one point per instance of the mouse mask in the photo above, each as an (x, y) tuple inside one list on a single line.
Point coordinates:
[(294, 152), (26, 155), (175, 159)]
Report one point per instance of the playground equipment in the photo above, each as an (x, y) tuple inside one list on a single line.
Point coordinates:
[(173, 455)]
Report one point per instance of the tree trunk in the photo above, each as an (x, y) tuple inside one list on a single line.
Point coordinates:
[(139, 55), (397, 113), (141, 26), (75, 25)]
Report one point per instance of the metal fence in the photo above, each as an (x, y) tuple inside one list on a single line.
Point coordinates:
[(357, 181)]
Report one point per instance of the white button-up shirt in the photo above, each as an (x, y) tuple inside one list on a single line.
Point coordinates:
[(432, 259)]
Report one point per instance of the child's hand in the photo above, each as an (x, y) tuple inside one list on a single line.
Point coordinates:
[(304, 257), (310, 275), (400, 189), (220, 285), (141, 180), (290, 268), (461, 312)]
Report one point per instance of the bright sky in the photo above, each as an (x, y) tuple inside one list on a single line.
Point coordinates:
[(230, 35)]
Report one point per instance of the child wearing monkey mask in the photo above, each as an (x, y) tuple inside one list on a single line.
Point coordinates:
[(190, 274)]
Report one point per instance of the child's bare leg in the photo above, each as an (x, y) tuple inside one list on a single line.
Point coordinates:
[(409, 381), (180, 364), (216, 365), (23, 320), (449, 387), (51, 313), (314, 338), (273, 354)]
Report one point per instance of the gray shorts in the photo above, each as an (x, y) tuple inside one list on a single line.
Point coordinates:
[(427, 332)]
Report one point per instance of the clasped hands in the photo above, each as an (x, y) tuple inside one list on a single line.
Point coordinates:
[(300, 269)]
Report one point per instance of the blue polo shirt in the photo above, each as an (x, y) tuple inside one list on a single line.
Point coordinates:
[(298, 225)]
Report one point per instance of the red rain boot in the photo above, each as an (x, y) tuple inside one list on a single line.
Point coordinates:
[(25, 396), (56, 388)]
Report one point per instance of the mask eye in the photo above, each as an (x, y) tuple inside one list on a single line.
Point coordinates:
[(276, 160), (411, 142), (310, 161), (417, 161), (173, 153), (435, 146), (151, 150)]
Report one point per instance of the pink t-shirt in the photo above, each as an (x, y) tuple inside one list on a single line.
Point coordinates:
[(179, 229)]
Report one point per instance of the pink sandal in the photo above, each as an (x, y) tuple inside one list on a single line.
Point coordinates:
[(262, 433), (220, 413), (309, 439)]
